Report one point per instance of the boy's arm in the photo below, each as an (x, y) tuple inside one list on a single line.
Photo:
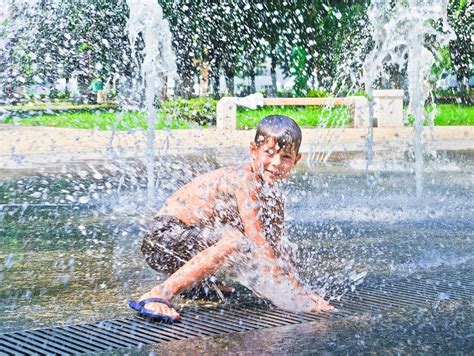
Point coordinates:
[(249, 210)]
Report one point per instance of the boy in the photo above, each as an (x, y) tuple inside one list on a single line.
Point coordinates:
[(223, 215)]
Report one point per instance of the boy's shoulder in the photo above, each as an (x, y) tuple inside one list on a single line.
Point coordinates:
[(231, 172), (228, 176)]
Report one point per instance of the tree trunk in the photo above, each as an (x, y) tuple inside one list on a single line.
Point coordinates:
[(184, 87), (274, 77), (204, 78), (229, 73), (66, 89), (462, 89), (252, 82), (185, 84), (215, 80), (83, 86), (229, 82)]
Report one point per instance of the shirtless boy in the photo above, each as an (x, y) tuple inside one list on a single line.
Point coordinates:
[(217, 216)]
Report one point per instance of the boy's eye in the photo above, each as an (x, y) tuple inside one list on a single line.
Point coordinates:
[(270, 151)]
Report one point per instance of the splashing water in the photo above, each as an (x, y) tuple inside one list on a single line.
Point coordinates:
[(158, 67), (406, 35)]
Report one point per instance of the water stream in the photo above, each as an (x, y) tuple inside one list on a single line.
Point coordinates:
[(406, 36), (158, 68)]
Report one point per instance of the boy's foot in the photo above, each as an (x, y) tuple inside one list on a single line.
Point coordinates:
[(159, 308)]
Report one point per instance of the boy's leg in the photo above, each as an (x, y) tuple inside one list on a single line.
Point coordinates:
[(202, 265)]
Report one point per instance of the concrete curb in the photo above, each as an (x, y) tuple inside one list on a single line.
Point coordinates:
[(21, 145)]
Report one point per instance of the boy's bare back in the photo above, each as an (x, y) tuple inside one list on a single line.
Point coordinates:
[(227, 196)]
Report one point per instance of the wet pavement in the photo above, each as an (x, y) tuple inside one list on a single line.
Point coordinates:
[(70, 250)]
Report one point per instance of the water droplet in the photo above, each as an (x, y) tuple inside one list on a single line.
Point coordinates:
[(9, 261), (84, 200)]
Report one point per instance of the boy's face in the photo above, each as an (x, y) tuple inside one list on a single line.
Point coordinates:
[(271, 162)]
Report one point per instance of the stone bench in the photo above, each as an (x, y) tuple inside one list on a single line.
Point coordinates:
[(388, 108)]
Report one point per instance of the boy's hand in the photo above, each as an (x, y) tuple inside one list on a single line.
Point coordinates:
[(319, 304)]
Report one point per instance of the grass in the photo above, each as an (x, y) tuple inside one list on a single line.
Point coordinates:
[(100, 121), (61, 105), (454, 115), (310, 116)]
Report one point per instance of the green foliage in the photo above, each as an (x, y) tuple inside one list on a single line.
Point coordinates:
[(452, 96), (58, 39), (201, 111), (83, 47), (442, 63), (285, 94), (317, 93), (461, 49), (298, 70)]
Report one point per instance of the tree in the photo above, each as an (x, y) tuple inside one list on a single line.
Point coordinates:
[(460, 15), (54, 39)]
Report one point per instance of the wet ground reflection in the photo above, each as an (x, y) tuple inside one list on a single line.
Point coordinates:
[(63, 260), (448, 329)]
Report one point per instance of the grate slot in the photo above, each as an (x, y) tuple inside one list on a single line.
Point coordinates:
[(50, 346), (84, 339), (258, 322), (167, 332), (65, 340), (128, 335), (96, 336), (255, 323), (382, 301), (5, 351), (17, 350), (418, 294), (109, 336), (185, 328), (290, 318), (244, 322), (137, 330), (30, 343), (434, 289), (204, 326), (220, 318), (394, 297), (355, 307), (277, 317), (217, 321)]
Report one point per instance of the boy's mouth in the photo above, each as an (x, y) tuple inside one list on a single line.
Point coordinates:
[(272, 174)]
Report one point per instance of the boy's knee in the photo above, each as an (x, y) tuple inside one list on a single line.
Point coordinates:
[(234, 239)]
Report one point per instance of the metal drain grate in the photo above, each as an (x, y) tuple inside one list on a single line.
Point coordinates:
[(375, 296)]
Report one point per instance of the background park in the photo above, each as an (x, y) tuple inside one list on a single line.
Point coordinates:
[(72, 63)]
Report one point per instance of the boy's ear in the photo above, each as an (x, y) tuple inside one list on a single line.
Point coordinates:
[(297, 158), (253, 147)]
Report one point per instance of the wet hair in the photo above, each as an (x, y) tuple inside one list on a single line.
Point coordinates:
[(284, 129)]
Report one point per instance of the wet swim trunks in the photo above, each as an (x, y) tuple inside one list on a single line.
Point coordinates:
[(169, 243)]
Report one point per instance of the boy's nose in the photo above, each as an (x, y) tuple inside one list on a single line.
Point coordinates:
[(276, 160)]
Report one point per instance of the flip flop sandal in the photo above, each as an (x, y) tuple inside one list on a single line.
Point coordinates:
[(140, 308)]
